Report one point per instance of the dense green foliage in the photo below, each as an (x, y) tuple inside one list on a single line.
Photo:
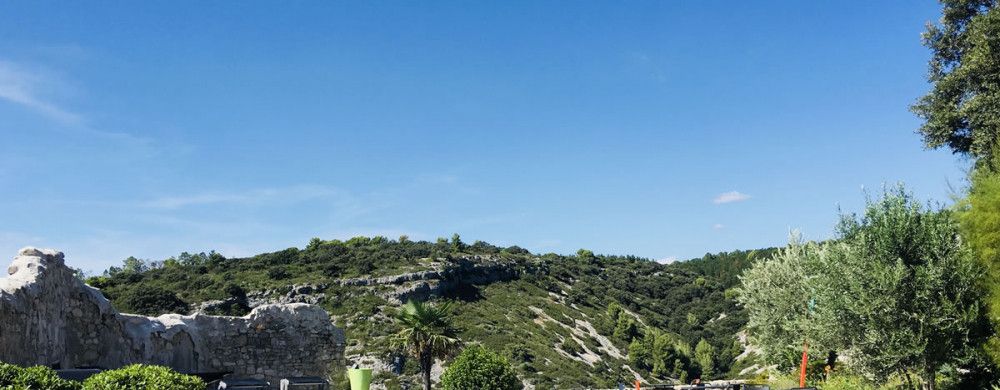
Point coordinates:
[(38, 377), (896, 292), (961, 110), (143, 377), (726, 267), (979, 214), (479, 368), (152, 301), (664, 355)]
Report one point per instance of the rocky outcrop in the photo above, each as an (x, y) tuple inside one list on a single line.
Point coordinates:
[(49, 317), (445, 277)]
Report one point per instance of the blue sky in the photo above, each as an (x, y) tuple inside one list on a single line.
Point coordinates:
[(661, 129)]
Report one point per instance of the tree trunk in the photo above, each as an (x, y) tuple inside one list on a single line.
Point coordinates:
[(929, 378), (906, 376), (425, 365)]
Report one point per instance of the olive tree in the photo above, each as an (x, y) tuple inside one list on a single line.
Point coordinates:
[(780, 295), (896, 292), (909, 298)]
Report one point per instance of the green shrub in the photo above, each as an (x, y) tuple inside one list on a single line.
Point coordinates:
[(99, 282), (8, 373), (479, 368), (278, 273), (152, 301), (840, 382), (37, 377), (141, 377)]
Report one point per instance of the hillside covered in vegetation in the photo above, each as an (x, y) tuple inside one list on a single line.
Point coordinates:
[(564, 321)]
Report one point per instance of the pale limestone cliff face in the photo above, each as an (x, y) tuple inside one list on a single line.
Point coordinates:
[(49, 317)]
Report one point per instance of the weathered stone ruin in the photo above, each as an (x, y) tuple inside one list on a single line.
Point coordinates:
[(49, 317)]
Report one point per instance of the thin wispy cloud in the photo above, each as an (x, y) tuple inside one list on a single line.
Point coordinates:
[(34, 88), (260, 196), (718, 226), (730, 197), (27, 88)]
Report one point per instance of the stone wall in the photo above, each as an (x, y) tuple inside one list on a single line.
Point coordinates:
[(49, 317)]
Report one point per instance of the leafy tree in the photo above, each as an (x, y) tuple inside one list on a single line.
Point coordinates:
[(614, 311), (897, 292), (479, 368), (626, 328), (427, 334), (134, 265), (704, 354), (195, 259), (667, 355), (516, 250), (907, 263), (776, 293), (314, 244), (456, 243), (639, 356), (960, 111)]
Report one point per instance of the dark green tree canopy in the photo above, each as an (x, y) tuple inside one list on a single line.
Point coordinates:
[(961, 110), (479, 368), (153, 301)]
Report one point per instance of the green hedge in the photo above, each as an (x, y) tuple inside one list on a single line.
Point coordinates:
[(42, 378), (134, 377), (141, 377)]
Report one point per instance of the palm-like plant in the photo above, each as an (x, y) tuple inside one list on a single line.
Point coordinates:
[(427, 334)]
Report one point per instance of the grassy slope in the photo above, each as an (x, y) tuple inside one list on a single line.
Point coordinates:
[(542, 320)]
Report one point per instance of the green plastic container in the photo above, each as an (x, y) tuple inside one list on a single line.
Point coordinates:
[(361, 378)]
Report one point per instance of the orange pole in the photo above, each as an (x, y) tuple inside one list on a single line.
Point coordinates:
[(805, 361), (637, 385)]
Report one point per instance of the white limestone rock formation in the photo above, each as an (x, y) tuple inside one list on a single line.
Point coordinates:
[(49, 317)]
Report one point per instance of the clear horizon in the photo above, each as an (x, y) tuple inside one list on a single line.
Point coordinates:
[(661, 130)]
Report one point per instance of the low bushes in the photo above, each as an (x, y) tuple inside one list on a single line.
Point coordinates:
[(479, 368), (134, 377), (139, 376), (43, 378)]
